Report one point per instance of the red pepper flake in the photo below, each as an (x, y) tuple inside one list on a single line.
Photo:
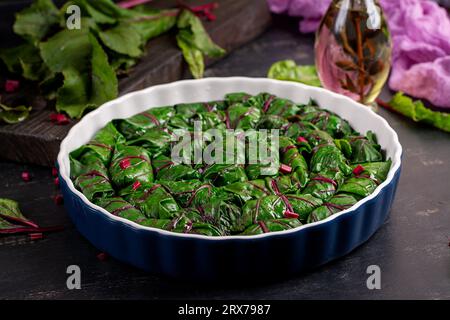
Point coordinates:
[(358, 170), (59, 119), (58, 199), (26, 176), (102, 256), (11, 85), (56, 181), (54, 172), (284, 168), (36, 236), (290, 214), (125, 163), (302, 140), (136, 185)]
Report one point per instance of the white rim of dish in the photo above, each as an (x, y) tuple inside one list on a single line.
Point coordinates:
[(64, 154)]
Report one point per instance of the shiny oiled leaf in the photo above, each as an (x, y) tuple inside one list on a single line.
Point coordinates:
[(26, 60), (152, 23), (60, 54)]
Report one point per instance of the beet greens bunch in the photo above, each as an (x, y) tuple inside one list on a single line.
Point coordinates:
[(78, 67)]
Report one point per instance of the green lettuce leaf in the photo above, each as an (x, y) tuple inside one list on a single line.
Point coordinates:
[(290, 71)]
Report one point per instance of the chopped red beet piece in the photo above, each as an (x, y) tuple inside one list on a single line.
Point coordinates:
[(284, 168), (36, 236), (58, 199), (54, 172), (11, 85), (56, 181), (59, 118), (102, 256), (290, 214), (125, 163), (358, 170), (301, 140), (136, 185), (26, 176)]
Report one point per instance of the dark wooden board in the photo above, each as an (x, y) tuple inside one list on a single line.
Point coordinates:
[(37, 140)]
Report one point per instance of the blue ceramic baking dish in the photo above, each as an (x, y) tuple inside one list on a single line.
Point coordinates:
[(213, 258)]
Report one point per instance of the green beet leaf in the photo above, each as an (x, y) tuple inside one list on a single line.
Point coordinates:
[(11, 216), (417, 111), (193, 57), (12, 115), (103, 11), (130, 35), (248, 190), (26, 60), (195, 42), (123, 39), (119, 207), (154, 201), (137, 125), (102, 145), (89, 80), (338, 203), (166, 170)]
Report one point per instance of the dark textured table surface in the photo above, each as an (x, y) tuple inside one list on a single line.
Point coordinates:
[(411, 248)]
